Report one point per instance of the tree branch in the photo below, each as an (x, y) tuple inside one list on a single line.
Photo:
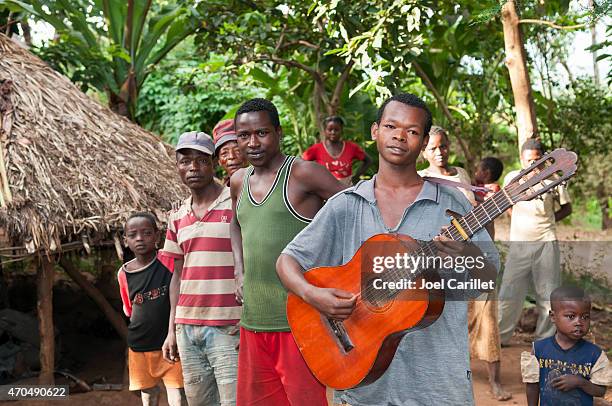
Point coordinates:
[(301, 42), (292, 64), (335, 100), (429, 84), (281, 39), (552, 25)]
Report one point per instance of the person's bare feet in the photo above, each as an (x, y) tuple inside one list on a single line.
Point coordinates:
[(498, 392)]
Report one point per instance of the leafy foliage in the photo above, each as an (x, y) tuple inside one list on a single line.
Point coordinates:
[(111, 45), (186, 95)]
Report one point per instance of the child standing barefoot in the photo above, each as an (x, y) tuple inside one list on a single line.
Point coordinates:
[(144, 284)]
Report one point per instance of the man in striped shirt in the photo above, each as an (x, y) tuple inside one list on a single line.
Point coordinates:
[(204, 311)]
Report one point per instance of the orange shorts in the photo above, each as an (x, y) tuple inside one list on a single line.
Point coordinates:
[(148, 368)]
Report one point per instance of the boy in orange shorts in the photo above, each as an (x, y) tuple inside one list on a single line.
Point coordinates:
[(144, 284)]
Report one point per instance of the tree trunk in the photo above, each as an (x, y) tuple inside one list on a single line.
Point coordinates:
[(317, 98), (118, 105), (111, 314), (44, 307), (593, 29), (27, 31), (603, 198), (4, 301), (455, 127), (606, 221), (519, 75)]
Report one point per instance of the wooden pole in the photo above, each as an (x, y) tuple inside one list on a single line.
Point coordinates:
[(519, 75), (44, 306), (113, 316)]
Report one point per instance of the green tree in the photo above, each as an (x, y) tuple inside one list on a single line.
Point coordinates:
[(186, 94), (581, 120), (301, 36), (111, 45)]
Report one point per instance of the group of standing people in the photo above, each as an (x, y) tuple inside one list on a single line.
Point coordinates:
[(212, 302)]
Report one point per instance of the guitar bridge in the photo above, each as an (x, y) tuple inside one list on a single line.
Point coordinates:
[(337, 327)]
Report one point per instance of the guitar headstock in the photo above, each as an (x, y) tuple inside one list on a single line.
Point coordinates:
[(547, 172)]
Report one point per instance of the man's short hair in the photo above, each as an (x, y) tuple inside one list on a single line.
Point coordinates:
[(533, 144), (567, 294), (143, 214), (259, 104), (410, 100), (494, 165)]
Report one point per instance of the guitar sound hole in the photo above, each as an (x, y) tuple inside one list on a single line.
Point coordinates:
[(376, 297)]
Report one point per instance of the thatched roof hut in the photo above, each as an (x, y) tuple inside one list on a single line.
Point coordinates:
[(70, 168)]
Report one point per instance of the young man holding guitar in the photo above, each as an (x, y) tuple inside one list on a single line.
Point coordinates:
[(431, 365)]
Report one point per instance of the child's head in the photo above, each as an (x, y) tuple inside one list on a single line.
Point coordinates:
[(333, 126), (489, 170), (531, 151), (438, 148), (141, 233), (571, 311)]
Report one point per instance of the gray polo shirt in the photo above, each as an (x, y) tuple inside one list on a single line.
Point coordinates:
[(432, 365)]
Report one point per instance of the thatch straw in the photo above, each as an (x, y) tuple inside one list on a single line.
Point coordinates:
[(70, 168)]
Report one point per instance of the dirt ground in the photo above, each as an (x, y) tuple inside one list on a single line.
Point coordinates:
[(101, 359), (105, 365)]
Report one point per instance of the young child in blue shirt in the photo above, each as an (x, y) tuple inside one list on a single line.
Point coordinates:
[(565, 369)]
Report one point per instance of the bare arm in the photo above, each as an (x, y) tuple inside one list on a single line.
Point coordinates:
[(236, 233), (568, 382), (316, 179), (365, 164), (563, 212), (533, 394), (169, 348), (333, 303)]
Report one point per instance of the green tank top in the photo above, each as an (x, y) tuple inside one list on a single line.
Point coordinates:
[(267, 227)]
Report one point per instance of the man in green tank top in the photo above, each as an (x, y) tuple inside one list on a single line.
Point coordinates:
[(273, 200)]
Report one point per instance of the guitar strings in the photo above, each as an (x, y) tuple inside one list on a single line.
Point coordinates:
[(396, 274), (501, 201)]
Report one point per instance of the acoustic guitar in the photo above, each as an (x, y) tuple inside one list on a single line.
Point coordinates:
[(356, 351)]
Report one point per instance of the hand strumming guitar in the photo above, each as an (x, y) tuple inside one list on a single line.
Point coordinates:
[(334, 303)]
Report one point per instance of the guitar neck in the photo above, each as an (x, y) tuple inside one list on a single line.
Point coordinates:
[(479, 217), (462, 228)]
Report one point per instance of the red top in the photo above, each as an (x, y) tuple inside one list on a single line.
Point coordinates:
[(340, 166), (482, 196)]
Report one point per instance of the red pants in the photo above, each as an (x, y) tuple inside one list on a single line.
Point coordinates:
[(271, 371)]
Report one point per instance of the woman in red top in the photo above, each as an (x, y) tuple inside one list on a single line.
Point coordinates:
[(338, 155)]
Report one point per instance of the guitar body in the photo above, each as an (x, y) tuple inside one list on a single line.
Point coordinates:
[(375, 327)]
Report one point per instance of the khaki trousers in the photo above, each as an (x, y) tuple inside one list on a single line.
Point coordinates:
[(528, 263)]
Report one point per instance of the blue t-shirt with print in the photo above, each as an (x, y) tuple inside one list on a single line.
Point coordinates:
[(554, 362)]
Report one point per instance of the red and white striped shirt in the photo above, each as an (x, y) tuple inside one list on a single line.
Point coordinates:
[(207, 294)]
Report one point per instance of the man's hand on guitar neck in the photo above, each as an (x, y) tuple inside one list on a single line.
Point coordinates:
[(333, 303), (452, 248)]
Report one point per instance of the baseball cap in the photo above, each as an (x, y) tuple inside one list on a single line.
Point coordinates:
[(200, 141), (224, 132)]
